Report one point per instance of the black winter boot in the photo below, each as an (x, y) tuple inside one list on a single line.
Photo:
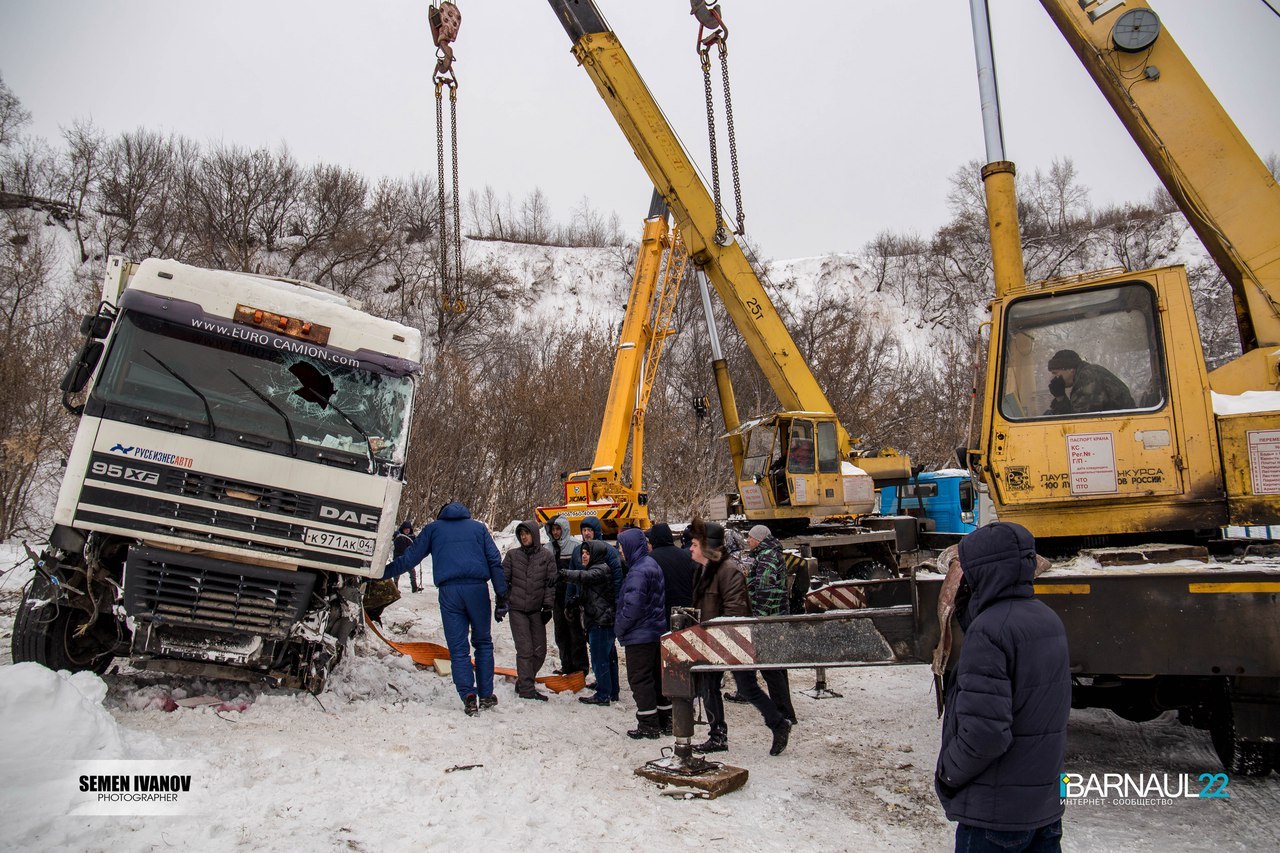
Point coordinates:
[(471, 705), (487, 702), (645, 731), (781, 734), (715, 743), (664, 720)]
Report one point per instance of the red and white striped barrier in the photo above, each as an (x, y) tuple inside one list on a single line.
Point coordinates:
[(842, 595), (715, 644)]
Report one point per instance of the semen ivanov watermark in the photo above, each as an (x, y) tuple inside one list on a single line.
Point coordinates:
[(125, 787)]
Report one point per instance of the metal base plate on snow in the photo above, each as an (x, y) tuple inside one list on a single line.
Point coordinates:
[(698, 777), (819, 692)]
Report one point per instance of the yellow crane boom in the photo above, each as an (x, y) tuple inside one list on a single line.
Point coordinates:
[(797, 463), (601, 491)]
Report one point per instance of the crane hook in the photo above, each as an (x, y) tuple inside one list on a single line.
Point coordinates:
[(445, 21), (708, 19)]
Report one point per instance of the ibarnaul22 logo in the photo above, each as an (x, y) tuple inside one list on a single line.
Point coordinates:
[(1143, 786)]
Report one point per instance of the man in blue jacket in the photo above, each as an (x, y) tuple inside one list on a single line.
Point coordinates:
[(1004, 733), (640, 621), (464, 561)]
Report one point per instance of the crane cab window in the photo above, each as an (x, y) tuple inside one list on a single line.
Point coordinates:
[(760, 452), (828, 449), (800, 450), (1082, 353)]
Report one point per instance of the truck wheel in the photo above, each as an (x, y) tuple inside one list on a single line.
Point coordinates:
[(55, 636), (1239, 757)]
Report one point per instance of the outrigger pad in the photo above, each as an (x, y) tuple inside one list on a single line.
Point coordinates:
[(710, 779)]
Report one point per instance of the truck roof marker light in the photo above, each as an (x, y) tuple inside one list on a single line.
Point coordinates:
[(283, 325)]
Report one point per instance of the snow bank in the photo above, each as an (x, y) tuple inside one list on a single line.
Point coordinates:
[(48, 721), (37, 700)]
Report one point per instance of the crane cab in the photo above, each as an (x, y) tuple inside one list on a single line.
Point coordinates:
[(1100, 417), (793, 467)]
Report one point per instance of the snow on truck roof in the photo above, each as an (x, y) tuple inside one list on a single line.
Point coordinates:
[(218, 292), (1247, 403)]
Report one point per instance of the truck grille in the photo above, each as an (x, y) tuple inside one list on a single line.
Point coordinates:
[(206, 487), (188, 590)]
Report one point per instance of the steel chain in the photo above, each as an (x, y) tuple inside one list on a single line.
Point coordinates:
[(441, 226), (733, 140), (457, 214), (722, 235)]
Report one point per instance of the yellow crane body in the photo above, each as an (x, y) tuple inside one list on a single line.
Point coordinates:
[(1133, 445)]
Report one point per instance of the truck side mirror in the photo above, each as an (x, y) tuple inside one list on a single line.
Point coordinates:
[(95, 326), (77, 376)]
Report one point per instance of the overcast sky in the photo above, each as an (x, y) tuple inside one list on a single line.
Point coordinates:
[(851, 114)]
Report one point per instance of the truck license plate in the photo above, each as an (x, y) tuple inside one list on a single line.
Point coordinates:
[(340, 541)]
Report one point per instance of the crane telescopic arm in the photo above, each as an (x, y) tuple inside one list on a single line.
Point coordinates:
[(672, 172)]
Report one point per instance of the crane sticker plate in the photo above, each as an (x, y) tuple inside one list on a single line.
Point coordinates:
[(1264, 461), (339, 541), (1091, 459)]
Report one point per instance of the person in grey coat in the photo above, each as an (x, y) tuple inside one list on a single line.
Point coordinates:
[(531, 583)]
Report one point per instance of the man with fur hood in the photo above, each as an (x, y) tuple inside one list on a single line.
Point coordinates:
[(1004, 731), (720, 589), (566, 610), (639, 623), (531, 574)]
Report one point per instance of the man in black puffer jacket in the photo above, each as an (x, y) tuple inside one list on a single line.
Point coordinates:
[(1004, 734), (599, 604), (677, 568)]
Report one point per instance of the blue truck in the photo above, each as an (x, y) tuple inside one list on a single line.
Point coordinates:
[(949, 498)]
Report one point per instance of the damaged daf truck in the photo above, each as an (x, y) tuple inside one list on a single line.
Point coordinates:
[(233, 481)]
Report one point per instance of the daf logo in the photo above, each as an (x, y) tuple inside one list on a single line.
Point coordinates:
[(350, 516)]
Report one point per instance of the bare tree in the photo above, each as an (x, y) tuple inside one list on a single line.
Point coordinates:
[(35, 336), (13, 118)]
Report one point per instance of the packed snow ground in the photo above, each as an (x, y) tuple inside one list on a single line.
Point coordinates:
[(363, 766)]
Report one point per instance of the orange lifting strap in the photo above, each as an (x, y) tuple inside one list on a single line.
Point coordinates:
[(426, 654)]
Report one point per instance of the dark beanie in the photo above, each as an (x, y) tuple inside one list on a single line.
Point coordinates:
[(1065, 359)]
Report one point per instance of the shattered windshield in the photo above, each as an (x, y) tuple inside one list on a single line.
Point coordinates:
[(242, 392)]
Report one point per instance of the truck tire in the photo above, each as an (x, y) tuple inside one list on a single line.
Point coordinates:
[(52, 635), (1239, 757)]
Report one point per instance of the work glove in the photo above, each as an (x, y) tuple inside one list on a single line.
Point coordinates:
[(500, 609), (1058, 386), (546, 615)]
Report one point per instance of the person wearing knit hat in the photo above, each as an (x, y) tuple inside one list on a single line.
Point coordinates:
[(1065, 359), (400, 543), (1079, 386), (767, 589)]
